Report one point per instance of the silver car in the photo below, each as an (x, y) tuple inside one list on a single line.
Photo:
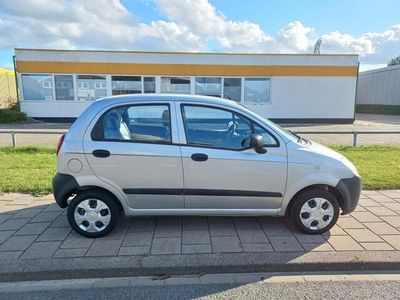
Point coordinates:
[(194, 155)]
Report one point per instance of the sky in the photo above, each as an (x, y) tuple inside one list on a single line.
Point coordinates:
[(368, 28)]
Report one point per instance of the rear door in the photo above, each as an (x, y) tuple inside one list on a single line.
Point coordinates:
[(220, 172), (133, 147)]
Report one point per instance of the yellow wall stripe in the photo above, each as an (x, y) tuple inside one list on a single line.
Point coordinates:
[(182, 69)]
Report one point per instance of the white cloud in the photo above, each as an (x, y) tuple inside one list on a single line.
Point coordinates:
[(80, 24), (190, 26), (368, 67), (295, 37), (206, 22)]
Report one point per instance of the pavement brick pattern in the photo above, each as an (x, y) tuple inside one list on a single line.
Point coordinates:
[(36, 228)]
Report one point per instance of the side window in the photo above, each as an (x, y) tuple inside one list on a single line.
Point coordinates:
[(214, 127), (138, 123), (269, 140)]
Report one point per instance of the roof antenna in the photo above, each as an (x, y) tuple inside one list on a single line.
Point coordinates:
[(317, 46)]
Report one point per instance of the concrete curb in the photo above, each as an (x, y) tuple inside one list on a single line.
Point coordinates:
[(227, 278), (154, 265)]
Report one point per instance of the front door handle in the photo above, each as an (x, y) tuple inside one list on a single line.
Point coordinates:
[(101, 153), (199, 157)]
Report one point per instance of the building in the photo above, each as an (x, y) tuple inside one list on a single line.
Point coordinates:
[(8, 91), (379, 87), (291, 87)]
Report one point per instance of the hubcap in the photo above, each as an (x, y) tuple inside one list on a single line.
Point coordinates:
[(92, 215), (316, 213)]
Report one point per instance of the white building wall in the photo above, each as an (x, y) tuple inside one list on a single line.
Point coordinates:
[(381, 86), (292, 97), (185, 58), (310, 97)]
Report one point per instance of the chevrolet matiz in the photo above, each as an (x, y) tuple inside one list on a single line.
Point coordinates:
[(150, 155)]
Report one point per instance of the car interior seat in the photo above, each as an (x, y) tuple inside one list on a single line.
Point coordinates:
[(115, 127)]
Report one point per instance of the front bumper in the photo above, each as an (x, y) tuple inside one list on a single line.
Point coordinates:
[(64, 186), (350, 190)]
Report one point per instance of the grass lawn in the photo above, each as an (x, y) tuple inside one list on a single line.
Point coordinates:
[(379, 166), (27, 169), (30, 169)]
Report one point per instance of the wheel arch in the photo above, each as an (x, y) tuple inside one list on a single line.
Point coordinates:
[(326, 187), (66, 186), (101, 190)]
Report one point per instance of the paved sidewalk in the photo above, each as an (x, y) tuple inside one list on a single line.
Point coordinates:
[(36, 228), (36, 241)]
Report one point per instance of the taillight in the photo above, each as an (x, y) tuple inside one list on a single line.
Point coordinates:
[(59, 143)]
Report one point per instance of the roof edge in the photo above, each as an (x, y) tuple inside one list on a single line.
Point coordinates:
[(177, 52)]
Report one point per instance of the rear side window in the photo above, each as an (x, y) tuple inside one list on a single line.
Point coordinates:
[(137, 123)]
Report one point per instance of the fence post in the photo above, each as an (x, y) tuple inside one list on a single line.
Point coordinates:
[(14, 139), (354, 139)]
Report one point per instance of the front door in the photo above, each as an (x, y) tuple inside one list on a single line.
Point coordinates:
[(133, 149), (220, 172)]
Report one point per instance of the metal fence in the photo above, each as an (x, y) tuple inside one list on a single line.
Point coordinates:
[(14, 133), (354, 134)]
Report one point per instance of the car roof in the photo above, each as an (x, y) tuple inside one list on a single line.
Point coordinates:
[(165, 97)]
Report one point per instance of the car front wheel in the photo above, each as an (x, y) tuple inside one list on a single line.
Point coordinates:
[(315, 211), (92, 214)]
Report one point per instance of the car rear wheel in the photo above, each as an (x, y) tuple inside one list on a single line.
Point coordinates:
[(93, 214), (315, 211)]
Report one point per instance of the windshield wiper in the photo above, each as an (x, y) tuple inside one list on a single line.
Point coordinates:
[(299, 138)]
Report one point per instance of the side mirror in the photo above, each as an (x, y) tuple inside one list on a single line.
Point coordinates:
[(257, 142)]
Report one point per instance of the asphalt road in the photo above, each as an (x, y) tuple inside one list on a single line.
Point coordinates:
[(343, 289)]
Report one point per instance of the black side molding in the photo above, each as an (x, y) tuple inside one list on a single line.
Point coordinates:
[(154, 191), (202, 192)]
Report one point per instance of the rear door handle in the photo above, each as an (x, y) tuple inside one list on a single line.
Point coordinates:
[(101, 153), (199, 157)]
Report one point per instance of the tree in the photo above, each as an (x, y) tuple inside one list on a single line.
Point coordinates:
[(394, 61)]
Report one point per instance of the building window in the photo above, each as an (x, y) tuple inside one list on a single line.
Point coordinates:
[(91, 87), (177, 85), (83, 85), (209, 86), (256, 90), (64, 87), (126, 85), (149, 84), (35, 88), (233, 88), (47, 84)]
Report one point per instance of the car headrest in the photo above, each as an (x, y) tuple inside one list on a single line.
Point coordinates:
[(112, 120), (165, 117)]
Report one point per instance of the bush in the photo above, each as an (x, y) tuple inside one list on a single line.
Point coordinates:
[(11, 116)]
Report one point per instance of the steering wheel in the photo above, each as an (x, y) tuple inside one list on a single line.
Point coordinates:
[(232, 126)]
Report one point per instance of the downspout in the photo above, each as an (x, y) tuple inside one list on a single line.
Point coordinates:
[(355, 94), (16, 82)]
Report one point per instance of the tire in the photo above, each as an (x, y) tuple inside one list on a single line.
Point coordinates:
[(315, 219), (102, 217)]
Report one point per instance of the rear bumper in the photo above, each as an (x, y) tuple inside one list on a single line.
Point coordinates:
[(63, 186), (350, 189)]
